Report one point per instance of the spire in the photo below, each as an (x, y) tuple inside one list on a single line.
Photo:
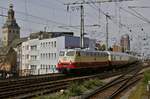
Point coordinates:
[(11, 29), (11, 21), (11, 13), (11, 6)]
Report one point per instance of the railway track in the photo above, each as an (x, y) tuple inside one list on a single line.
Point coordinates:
[(38, 78), (28, 91), (31, 79), (30, 87), (113, 89)]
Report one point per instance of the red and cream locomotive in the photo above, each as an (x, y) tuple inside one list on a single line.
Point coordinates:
[(78, 60)]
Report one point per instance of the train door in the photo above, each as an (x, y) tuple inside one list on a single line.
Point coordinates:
[(78, 59)]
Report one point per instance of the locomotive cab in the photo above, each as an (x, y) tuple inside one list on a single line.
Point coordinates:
[(66, 61)]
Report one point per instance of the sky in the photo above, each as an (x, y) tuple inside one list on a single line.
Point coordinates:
[(36, 15)]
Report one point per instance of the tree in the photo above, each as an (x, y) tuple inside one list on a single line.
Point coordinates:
[(110, 49), (100, 47)]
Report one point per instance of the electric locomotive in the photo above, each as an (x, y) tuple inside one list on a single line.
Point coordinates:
[(80, 60)]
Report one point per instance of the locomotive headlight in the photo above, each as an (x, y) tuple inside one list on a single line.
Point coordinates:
[(70, 62), (59, 62)]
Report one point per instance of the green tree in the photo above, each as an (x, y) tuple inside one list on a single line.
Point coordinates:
[(101, 47)]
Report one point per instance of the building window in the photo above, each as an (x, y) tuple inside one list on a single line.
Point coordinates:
[(27, 56), (4, 37), (41, 56), (33, 47), (43, 44), (27, 47), (55, 55), (46, 55), (52, 55), (27, 66), (33, 67), (49, 44), (55, 44), (52, 44), (49, 55), (46, 44), (9, 31), (33, 57), (41, 66)]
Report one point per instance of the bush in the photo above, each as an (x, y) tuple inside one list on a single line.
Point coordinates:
[(76, 89), (146, 76), (92, 83)]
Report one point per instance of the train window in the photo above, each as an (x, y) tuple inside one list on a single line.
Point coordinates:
[(62, 53), (82, 53), (99, 54), (71, 53), (87, 54), (78, 53), (91, 53), (96, 54)]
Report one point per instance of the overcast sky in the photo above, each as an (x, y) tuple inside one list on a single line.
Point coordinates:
[(34, 15)]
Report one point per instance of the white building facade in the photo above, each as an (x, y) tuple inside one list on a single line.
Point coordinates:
[(41, 56)]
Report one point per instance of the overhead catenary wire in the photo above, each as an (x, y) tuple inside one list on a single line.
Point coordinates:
[(45, 20), (134, 14), (114, 21), (48, 7), (144, 18), (37, 17), (121, 23), (111, 18), (39, 23)]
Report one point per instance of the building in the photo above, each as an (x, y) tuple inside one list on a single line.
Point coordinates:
[(40, 56), (8, 62), (8, 55), (45, 35), (116, 48), (10, 30), (125, 43)]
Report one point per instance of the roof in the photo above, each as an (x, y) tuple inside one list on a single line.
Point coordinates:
[(83, 50), (11, 24), (44, 35), (18, 41), (117, 53), (4, 50)]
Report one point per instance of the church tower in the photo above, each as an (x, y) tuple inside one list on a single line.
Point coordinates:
[(10, 30)]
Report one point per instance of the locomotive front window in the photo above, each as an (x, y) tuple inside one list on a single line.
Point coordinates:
[(62, 53), (71, 53)]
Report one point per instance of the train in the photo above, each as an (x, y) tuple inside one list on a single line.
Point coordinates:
[(73, 60)]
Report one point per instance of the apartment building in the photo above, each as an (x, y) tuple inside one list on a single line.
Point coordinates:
[(40, 56)]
